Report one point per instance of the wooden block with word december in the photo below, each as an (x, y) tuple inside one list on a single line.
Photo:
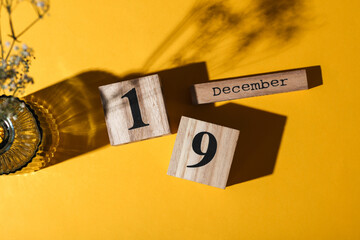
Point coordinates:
[(134, 110), (251, 86), (203, 152)]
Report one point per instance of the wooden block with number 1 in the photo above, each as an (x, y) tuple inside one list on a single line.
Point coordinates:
[(203, 152), (134, 110)]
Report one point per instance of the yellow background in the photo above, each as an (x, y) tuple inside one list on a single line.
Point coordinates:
[(123, 192)]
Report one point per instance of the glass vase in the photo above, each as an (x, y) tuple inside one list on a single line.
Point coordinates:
[(20, 134)]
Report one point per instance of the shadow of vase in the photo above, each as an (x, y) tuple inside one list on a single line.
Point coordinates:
[(71, 117)]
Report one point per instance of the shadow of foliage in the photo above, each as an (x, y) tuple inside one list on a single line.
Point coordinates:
[(222, 33), (71, 116)]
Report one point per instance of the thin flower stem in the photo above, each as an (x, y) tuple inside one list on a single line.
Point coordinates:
[(37, 10), (3, 90), (14, 93), (16, 89), (11, 47), (11, 27), (1, 42), (28, 27), (15, 5), (12, 33)]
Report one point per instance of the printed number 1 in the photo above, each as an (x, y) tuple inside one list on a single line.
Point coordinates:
[(210, 152), (135, 109)]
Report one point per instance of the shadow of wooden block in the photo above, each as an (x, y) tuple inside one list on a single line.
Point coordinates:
[(314, 76), (261, 131)]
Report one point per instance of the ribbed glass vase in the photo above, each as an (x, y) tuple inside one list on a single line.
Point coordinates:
[(20, 135)]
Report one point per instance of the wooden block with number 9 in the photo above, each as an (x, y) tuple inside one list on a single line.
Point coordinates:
[(203, 152), (134, 110)]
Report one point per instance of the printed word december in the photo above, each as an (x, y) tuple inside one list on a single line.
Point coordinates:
[(249, 87)]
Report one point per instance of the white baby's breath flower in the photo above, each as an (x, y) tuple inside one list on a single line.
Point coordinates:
[(40, 4), (25, 53)]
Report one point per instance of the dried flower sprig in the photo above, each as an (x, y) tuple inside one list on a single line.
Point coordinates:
[(14, 72), (15, 59), (9, 107)]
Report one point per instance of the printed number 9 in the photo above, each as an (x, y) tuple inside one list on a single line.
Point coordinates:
[(210, 152)]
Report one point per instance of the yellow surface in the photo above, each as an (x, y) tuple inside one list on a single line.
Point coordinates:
[(124, 193)]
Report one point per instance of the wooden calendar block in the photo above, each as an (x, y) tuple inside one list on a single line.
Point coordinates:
[(251, 86), (203, 152), (134, 110)]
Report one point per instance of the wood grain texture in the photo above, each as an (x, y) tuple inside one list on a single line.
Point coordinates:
[(118, 113), (244, 87), (216, 172)]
